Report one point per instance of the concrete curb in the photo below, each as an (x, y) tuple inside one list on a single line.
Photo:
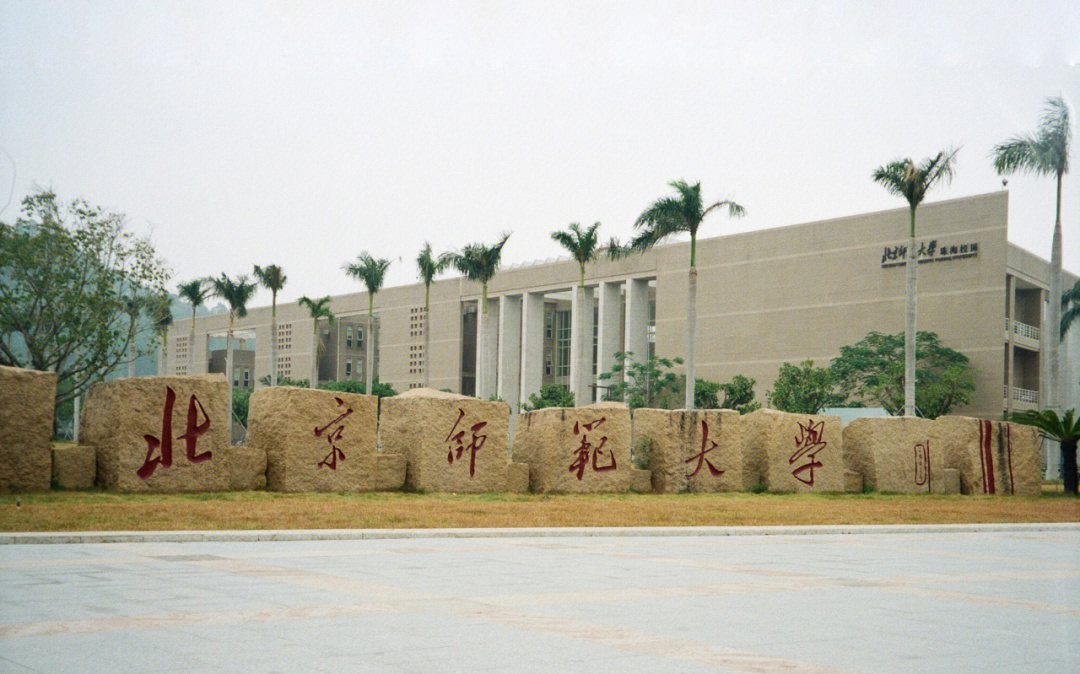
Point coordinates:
[(95, 537)]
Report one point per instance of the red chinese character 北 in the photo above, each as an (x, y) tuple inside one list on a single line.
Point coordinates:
[(192, 432)]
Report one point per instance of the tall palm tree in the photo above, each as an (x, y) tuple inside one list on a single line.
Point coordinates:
[(905, 178), (372, 271), (1045, 152), (671, 216), (195, 293), (161, 314), (429, 267), (273, 279), (319, 309), (1064, 429), (236, 293), (1070, 308), (478, 263), (582, 244)]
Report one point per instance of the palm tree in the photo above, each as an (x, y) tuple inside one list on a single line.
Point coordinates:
[(236, 293), (195, 292), (161, 314), (904, 178), (478, 263), (273, 279), (372, 271), (319, 309), (582, 244), (1063, 429), (1070, 308), (1045, 152), (671, 216), (429, 267)]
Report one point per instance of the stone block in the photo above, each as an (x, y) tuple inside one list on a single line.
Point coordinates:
[(853, 481), (517, 478), (74, 467), (952, 481), (247, 467), (576, 449), (315, 440), (27, 403), (897, 454), (390, 471), (641, 481), (794, 452), (992, 457), (453, 443), (691, 450), (159, 434)]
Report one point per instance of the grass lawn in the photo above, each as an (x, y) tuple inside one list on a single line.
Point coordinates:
[(103, 511)]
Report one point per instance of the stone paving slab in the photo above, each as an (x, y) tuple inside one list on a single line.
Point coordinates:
[(1001, 598)]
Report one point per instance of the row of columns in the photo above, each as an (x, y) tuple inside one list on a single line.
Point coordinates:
[(510, 339)]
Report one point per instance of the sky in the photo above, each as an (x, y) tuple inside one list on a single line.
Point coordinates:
[(303, 133)]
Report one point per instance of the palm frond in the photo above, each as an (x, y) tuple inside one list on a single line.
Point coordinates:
[(1045, 152), (318, 308), (582, 244), (479, 262), (271, 277), (194, 292), (236, 292), (371, 271)]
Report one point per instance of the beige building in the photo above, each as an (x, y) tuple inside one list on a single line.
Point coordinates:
[(764, 298)]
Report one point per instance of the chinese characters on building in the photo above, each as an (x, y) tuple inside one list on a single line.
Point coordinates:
[(333, 436), (808, 445), (929, 251), (707, 446), (587, 449), (457, 437), (192, 432)]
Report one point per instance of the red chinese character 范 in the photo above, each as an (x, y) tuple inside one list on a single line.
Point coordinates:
[(330, 460), (192, 432), (705, 449), (586, 449), (474, 445), (807, 446)]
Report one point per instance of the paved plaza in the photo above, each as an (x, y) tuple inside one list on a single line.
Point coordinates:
[(1002, 600)]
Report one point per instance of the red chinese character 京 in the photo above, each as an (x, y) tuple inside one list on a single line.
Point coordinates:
[(330, 460)]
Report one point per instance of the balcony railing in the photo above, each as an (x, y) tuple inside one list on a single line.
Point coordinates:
[(1022, 329), (1023, 395)]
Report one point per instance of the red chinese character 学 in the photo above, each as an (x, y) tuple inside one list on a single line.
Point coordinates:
[(190, 437), (582, 453), (807, 446), (459, 437), (705, 449), (330, 460)]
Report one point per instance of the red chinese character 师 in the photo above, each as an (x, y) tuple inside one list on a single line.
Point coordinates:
[(459, 437)]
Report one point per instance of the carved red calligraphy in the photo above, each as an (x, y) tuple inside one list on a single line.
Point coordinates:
[(922, 464), (807, 446), (334, 436), (458, 436), (192, 432), (707, 446), (586, 450)]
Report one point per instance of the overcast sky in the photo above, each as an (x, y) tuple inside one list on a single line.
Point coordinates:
[(304, 133)]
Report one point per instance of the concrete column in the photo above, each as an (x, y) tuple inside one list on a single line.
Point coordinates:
[(607, 339), (637, 319), (532, 344), (509, 386), (487, 342), (581, 339), (1010, 294)]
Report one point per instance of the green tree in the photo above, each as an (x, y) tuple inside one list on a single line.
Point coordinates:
[(550, 395), (739, 394), (706, 394), (372, 272), (478, 263), (905, 178), (1045, 152), (1070, 308), (804, 389), (429, 267), (160, 311), (582, 244), (70, 276), (236, 293), (273, 279), (319, 309), (870, 371), (644, 384), (195, 293), (1064, 429), (668, 217)]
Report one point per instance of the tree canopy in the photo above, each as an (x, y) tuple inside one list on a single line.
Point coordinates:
[(804, 389), (582, 244)]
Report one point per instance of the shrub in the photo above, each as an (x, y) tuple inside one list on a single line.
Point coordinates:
[(551, 395)]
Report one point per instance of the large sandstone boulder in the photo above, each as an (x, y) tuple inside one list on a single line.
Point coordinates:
[(576, 449), (897, 454), (992, 457), (27, 402), (247, 467), (691, 450), (315, 440), (159, 434), (74, 467), (794, 452), (453, 443)]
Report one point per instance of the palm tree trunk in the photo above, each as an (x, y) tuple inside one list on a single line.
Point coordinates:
[(273, 340), (1055, 400), (427, 334), (691, 336), (909, 324), (229, 371), (370, 351), (191, 344)]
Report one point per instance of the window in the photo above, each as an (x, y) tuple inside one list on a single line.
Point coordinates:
[(348, 336), (562, 343), (548, 318), (348, 367), (547, 362), (247, 377), (359, 337)]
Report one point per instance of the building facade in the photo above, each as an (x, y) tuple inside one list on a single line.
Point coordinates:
[(766, 297)]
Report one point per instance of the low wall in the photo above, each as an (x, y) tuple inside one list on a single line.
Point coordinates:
[(27, 402)]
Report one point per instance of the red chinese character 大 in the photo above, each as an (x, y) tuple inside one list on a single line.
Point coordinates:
[(191, 435), (455, 436), (334, 436), (583, 452), (807, 446), (707, 446)]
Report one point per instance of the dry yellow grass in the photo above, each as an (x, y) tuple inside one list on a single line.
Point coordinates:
[(100, 511)]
